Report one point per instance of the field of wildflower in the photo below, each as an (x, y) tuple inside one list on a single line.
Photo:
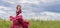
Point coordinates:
[(33, 24)]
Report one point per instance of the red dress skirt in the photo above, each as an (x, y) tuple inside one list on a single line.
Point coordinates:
[(18, 22)]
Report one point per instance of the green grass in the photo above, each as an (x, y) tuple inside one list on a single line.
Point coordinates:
[(34, 24), (5, 24), (45, 24)]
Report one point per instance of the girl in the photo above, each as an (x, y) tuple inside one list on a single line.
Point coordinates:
[(18, 21), (18, 11)]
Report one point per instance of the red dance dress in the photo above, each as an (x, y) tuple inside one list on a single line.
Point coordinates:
[(18, 21)]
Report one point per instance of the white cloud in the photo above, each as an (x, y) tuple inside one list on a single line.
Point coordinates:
[(29, 1), (49, 1), (2, 7), (22, 1), (6, 8), (2, 12), (48, 16), (48, 13), (10, 1), (42, 16), (36, 2), (5, 14)]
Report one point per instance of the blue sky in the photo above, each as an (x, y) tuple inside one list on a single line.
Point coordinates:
[(36, 9)]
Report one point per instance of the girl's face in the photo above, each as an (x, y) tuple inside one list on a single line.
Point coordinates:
[(18, 7)]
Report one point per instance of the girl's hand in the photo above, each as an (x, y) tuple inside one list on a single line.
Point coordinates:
[(12, 18), (17, 10)]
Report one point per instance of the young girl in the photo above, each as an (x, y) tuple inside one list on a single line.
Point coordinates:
[(18, 11), (18, 21)]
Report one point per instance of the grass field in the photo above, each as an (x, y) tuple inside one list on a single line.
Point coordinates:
[(33, 24)]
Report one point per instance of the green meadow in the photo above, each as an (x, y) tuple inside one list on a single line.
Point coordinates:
[(33, 24)]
